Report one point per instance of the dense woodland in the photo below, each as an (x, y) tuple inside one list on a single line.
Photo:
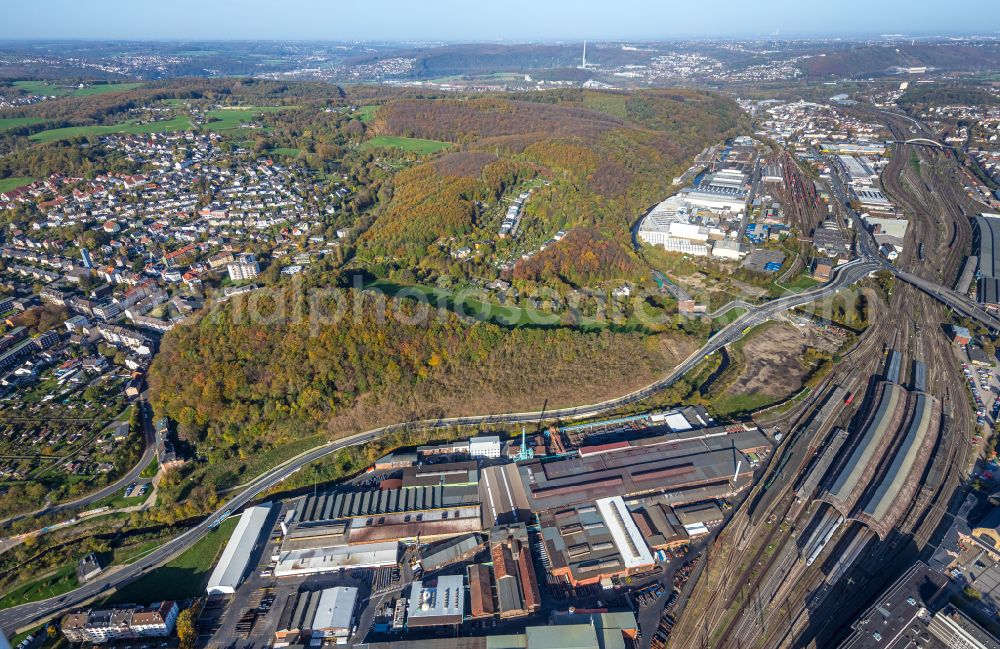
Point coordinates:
[(235, 385), (924, 96)]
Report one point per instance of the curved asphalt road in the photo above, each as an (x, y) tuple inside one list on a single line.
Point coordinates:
[(27, 615), (148, 453)]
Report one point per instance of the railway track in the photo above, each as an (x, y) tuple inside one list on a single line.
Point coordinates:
[(732, 586), (777, 601), (778, 613)]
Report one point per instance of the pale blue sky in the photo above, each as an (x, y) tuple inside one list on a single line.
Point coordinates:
[(479, 20)]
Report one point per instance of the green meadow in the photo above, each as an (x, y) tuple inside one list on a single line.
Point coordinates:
[(15, 122), (179, 123), (412, 144), (7, 184)]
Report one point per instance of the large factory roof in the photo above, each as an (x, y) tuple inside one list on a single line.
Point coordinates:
[(335, 609), (578, 542), (436, 602), (448, 473), (348, 504), (426, 525), (306, 562), (631, 470), (624, 532), (503, 497)]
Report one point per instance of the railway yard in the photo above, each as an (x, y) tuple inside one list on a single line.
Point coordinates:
[(872, 464)]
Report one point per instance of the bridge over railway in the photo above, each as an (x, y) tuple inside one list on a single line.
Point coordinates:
[(925, 141), (955, 301)]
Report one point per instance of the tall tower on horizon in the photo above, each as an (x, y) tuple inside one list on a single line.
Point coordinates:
[(583, 64)]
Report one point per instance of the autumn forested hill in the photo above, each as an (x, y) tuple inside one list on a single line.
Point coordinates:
[(233, 384), (607, 156)]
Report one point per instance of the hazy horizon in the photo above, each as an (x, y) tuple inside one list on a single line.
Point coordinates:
[(516, 21)]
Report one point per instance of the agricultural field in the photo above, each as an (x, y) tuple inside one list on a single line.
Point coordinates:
[(366, 113), (101, 89), (16, 122), (410, 144), (7, 184), (227, 119), (179, 123), (285, 151)]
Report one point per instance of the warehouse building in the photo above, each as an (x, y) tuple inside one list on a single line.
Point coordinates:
[(675, 236), (481, 601), (516, 584), (295, 623), (724, 179), (592, 543), (859, 170), (429, 502), (610, 630), (717, 199), (436, 602), (451, 551), (503, 496), (232, 567), (312, 561), (658, 524), (322, 616), (872, 198), (335, 614)]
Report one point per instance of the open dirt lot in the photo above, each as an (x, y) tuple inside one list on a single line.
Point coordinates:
[(773, 359)]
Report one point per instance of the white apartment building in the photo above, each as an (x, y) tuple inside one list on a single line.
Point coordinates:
[(243, 267)]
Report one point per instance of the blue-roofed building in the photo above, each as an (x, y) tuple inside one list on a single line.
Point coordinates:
[(756, 232)]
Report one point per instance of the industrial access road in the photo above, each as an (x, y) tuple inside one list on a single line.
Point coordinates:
[(28, 615)]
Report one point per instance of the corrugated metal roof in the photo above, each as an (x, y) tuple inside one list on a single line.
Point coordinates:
[(232, 565), (886, 415), (898, 472), (562, 636), (448, 552), (335, 609), (988, 231)]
